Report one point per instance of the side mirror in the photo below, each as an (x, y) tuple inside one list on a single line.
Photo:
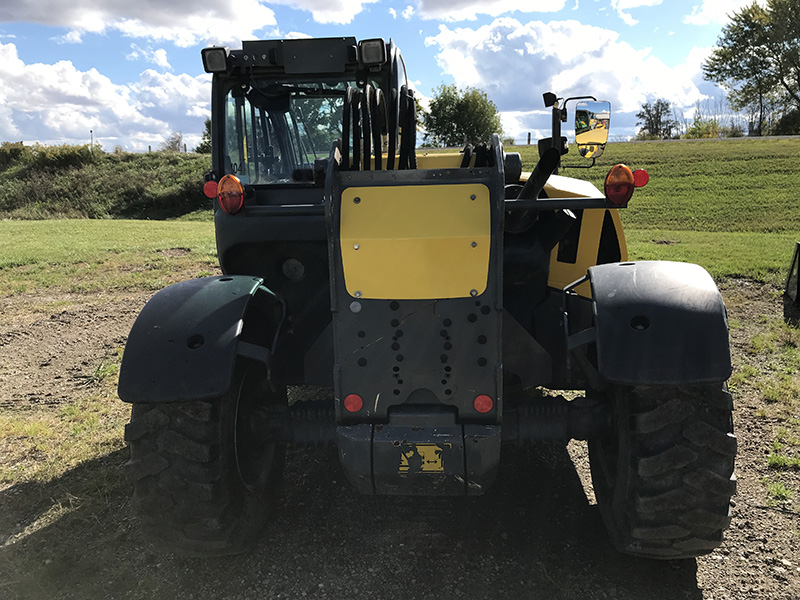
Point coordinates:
[(592, 120)]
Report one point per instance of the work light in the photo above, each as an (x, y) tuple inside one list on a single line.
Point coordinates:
[(215, 60), (372, 52)]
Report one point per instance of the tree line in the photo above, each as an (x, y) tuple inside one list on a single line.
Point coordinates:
[(757, 62)]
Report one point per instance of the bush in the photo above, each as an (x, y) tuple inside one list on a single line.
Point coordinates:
[(788, 124), (62, 157), (733, 131), (13, 153), (703, 129), (645, 136)]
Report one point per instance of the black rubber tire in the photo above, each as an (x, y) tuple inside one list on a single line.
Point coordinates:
[(205, 481), (664, 478)]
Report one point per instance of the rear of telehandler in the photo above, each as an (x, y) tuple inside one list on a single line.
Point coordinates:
[(429, 292)]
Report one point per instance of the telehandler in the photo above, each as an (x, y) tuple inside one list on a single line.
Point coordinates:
[(431, 293)]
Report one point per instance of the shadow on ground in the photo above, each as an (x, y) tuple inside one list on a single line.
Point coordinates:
[(534, 535)]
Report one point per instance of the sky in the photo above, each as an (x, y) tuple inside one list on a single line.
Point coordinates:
[(127, 73)]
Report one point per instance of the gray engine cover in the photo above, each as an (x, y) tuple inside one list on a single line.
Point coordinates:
[(659, 322)]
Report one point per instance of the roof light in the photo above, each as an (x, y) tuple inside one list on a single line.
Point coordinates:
[(353, 403), (372, 52), (619, 185), (215, 59), (483, 404), (230, 194)]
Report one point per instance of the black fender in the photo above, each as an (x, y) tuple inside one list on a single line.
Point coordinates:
[(183, 345), (659, 322)]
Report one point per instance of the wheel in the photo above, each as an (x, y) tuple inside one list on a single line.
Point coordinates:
[(206, 473), (663, 476)]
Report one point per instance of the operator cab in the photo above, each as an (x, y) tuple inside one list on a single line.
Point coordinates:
[(279, 105)]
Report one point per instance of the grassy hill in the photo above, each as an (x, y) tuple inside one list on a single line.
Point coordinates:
[(42, 182)]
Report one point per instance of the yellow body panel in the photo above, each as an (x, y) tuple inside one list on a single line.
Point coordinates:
[(416, 242), (558, 186), (562, 273), (451, 160)]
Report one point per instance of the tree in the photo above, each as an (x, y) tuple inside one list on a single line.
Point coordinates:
[(757, 61), (204, 147), (656, 121), (174, 143), (458, 117)]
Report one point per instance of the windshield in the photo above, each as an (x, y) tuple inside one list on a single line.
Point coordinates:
[(275, 130)]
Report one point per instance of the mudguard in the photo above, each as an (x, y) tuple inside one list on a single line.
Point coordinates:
[(659, 322), (184, 343)]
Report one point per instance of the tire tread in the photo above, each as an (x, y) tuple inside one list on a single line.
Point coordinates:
[(677, 491), (186, 484)]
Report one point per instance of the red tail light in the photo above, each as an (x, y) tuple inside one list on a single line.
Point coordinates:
[(619, 185), (483, 404), (230, 194), (640, 177), (353, 403), (210, 189)]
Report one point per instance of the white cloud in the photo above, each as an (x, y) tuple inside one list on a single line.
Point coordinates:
[(72, 37), (543, 57), (57, 103), (328, 11), (622, 5), (628, 4), (393, 12), (183, 22), (461, 10), (716, 12), (157, 57), (408, 12)]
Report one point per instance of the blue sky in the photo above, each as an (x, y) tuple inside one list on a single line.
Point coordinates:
[(130, 70)]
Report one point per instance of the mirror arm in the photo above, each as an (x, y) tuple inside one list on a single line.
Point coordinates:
[(579, 166), (547, 165)]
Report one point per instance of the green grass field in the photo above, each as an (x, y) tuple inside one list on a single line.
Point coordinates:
[(84, 255)]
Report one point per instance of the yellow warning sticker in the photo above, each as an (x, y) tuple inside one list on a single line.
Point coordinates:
[(422, 458)]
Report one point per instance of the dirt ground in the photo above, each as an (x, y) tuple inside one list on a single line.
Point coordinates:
[(536, 534)]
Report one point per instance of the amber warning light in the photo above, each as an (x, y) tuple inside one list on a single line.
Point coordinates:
[(229, 193), (620, 183)]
